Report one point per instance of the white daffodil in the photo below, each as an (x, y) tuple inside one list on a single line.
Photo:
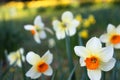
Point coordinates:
[(95, 58), (37, 29), (112, 37), (15, 57), (40, 65), (65, 27)]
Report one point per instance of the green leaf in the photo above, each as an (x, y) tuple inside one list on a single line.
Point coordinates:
[(23, 68), (53, 77), (72, 72)]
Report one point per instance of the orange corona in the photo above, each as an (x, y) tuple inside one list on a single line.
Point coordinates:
[(115, 39), (42, 66), (92, 63), (33, 32)]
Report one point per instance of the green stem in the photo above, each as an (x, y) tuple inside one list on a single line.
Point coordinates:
[(85, 76), (103, 75), (23, 68), (69, 55), (80, 41), (12, 75), (114, 74), (43, 77)]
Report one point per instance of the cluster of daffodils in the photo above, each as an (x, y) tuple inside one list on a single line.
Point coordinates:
[(65, 27), (85, 24), (95, 58), (16, 57), (40, 65)]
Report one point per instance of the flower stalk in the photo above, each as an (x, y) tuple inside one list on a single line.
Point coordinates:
[(23, 70), (84, 76), (69, 55)]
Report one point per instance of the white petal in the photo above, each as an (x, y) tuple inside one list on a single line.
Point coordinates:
[(49, 72), (82, 61), (42, 35), (21, 50), (106, 53), (33, 74), (67, 17), (48, 57), (28, 27), (19, 63), (94, 44), (106, 66), (38, 22), (23, 58), (110, 28), (104, 38), (37, 38), (109, 44), (118, 29), (60, 35), (49, 30), (94, 74), (12, 58), (32, 58), (56, 24), (117, 46), (75, 23), (81, 51), (71, 31)]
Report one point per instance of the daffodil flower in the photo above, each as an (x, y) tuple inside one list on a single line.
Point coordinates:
[(65, 27), (37, 30), (112, 37), (40, 65), (95, 58), (15, 57)]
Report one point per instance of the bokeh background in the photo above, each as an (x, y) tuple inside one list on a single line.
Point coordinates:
[(17, 13)]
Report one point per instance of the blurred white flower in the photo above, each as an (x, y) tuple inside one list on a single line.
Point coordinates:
[(37, 29), (95, 58), (66, 27), (40, 65), (51, 43), (15, 57), (112, 37)]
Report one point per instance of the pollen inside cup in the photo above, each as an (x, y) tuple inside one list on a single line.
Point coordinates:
[(33, 32), (115, 39), (42, 66), (64, 25), (92, 63)]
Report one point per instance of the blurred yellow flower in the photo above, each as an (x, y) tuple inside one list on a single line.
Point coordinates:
[(79, 18), (86, 23), (91, 19), (40, 65), (18, 5), (16, 57), (83, 34)]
